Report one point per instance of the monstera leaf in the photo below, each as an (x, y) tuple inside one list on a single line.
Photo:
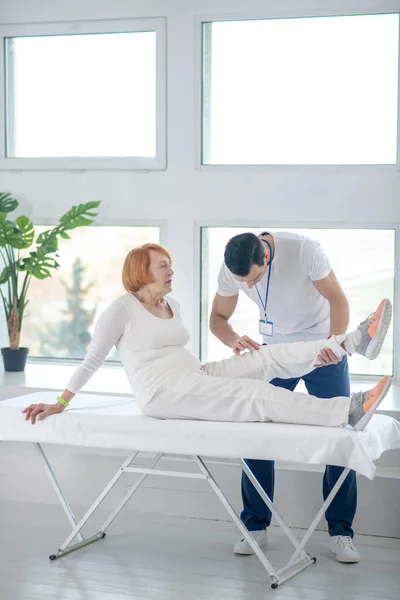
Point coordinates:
[(5, 275), (7, 203), (48, 239), (39, 264), (78, 215), (28, 231), (10, 234)]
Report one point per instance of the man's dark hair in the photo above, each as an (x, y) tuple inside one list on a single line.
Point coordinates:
[(242, 252)]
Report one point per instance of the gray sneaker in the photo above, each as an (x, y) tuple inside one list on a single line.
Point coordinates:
[(364, 404), (243, 547), (370, 334)]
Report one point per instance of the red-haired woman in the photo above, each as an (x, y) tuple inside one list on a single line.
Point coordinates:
[(169, 382)]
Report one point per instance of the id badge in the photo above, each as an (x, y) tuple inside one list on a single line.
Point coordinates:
[(266, 327)]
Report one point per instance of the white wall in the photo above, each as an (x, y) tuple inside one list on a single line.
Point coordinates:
[(182, 196)]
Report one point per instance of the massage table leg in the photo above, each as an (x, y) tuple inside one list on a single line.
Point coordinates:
[(294, 565), (299, 560)]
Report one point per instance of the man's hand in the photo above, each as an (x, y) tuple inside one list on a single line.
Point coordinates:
[(244, 343), (327, 357), (41, 411)]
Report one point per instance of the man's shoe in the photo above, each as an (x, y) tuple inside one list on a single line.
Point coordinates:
[(369, 336), (344, 549), (243, 547), (364, 404)]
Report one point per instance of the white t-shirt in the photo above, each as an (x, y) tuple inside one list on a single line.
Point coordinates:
[(296, 308)]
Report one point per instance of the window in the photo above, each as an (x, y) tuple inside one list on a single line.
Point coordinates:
[(300, 91), (86, 99), (363, 260), (63, 309)]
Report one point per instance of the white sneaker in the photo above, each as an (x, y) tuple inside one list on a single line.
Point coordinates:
[(344, 549), (243, 547)]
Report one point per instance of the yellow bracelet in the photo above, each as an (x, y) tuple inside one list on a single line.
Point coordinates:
[(62, 401)]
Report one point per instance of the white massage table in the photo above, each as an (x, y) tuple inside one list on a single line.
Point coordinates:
[(117, 423)]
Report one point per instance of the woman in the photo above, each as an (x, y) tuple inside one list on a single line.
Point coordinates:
[(169, 382)]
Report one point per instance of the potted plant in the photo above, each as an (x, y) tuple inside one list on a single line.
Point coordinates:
[(18, 271)]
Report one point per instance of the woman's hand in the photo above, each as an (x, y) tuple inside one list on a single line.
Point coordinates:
[(41, 411)]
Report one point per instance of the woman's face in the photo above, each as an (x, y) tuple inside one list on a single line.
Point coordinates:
[(161, 273)]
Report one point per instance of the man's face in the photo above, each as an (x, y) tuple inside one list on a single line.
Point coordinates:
[(255, 275)]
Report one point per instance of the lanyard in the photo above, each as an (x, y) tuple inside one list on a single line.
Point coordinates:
[(264, 305)]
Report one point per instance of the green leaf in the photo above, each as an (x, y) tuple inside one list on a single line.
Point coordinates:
[(77, 216), (10, 234), (19, 265), (84, 221), (48, 238), (27, 229), (48, 249), (7, 203), (64, 235), (5, 275), (93, 204), (38, 265)]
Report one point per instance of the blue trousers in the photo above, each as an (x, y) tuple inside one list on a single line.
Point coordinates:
[(324, 382)]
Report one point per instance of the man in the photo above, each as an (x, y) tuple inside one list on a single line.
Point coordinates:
[(290, 279)]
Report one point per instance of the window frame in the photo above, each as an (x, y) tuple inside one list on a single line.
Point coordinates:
[(246, 223), (353, 8), (89, 163)]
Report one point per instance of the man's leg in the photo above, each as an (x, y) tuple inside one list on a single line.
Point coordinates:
[(256, 514), (327, 382)]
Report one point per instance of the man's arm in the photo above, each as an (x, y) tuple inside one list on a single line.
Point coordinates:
[(330, 288), (222, 309)]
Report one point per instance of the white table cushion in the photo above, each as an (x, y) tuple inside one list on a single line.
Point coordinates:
[(114, 422)]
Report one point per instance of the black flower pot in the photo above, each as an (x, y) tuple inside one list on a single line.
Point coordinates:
[(14, 360)]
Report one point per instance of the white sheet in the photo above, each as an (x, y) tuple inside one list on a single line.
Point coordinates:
[(113, 422)]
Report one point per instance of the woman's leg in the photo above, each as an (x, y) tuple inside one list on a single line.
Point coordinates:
[(220, 393), (278, 360), (294, 360), (199, 396)]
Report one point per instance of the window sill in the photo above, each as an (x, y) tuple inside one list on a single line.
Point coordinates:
[(51, 376)]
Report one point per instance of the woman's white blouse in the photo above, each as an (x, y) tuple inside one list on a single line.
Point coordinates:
[(149, 347)]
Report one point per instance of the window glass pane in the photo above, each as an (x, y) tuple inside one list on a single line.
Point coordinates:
[(63, 309), (81, 95), (301, 91), (362, 259)]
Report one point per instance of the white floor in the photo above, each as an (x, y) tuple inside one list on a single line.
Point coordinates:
[(164, 558)]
